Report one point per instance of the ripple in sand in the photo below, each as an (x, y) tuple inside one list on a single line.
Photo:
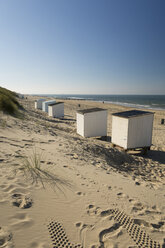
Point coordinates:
[(22, 223)]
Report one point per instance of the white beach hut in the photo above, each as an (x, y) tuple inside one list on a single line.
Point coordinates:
[(56, 109), (38, 103), (21, 96), (92, 122), (132, 129), (45, 105)]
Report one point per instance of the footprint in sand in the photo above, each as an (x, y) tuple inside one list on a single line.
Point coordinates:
[(21, 201), (141, 209), (82, 229), (80, 193), (122, 195), (115, 230), (138, 235), (160, 225), (78, 224), (5, 238), (93, 210), (65, 166), (137, 207)]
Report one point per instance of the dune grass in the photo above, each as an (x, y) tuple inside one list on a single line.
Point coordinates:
[(8, 102), (37, 173)]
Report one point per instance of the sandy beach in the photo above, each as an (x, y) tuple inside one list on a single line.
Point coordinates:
[(83, 191)]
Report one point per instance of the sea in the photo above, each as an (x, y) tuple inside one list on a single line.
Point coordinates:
[(156, 102)]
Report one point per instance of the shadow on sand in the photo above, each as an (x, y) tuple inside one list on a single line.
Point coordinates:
[(155, 155), (60, 120), (67, 119), (105, 138)]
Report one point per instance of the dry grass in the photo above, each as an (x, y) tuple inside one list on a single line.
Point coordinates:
[(34, 170)]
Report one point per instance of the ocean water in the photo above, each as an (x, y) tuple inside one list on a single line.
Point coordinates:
[(136, 101)]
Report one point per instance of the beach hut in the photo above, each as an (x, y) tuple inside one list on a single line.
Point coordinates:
[(92, 122), (38, 103), (132, 129), (45, 105), (21, 96), (56, 109)]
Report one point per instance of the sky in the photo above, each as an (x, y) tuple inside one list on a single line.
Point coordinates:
[(82, 46)]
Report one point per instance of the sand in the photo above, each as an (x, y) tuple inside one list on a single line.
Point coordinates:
[(84, 193)]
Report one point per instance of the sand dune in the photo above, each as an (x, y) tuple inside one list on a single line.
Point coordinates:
[(84, 193)]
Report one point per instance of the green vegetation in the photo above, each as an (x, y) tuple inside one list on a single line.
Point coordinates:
[(8, 102)]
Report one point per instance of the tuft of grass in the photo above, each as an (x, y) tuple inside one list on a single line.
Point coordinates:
[(3, 123), (31, 166), (9, 103)]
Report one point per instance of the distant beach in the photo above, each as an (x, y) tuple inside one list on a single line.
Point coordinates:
[(134, 101)]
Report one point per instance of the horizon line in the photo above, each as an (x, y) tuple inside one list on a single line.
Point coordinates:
[(97, 94)]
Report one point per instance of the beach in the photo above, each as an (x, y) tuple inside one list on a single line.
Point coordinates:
[(59, 189)]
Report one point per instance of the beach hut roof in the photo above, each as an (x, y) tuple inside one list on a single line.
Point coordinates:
[(55, 103), (85, 111), (40, 100), (49, 101), (132, 113)]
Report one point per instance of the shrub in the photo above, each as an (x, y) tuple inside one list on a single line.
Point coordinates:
[(8, 102)]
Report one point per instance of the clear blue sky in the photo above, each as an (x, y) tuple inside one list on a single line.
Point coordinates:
[(83, 46)]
